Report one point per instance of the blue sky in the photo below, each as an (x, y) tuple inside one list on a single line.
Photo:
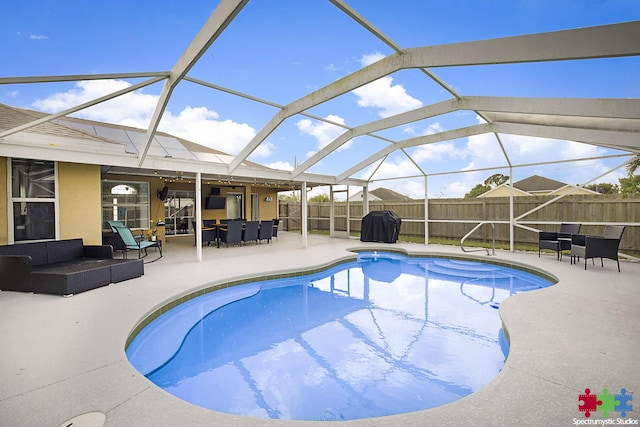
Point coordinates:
[(281, 50)]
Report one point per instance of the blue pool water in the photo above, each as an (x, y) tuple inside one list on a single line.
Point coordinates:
[(382, 335)]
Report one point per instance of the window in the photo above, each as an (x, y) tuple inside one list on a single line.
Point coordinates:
[(234, 205), (127, 202), (33, 196), (255, 207), (179, 211)]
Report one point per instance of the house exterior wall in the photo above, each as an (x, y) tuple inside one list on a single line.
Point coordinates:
[(4, 226), (572, 190), (268, 210), (79, 202), (503, 191)]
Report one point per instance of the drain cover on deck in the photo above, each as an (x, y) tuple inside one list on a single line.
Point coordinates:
[(90, 419)]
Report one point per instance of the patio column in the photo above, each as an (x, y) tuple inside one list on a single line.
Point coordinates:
[(303, 204), (511, 218), (348, 216), (332, 208), (198, 213), (426, 210), (365, 200)]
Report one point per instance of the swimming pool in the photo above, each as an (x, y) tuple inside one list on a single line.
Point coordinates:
[(379, 335)]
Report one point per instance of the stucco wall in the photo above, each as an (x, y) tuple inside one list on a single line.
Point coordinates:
[(4, 229), (79, 195)]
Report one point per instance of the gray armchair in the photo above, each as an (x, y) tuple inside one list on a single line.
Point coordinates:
[(605, 246), (558, 242)]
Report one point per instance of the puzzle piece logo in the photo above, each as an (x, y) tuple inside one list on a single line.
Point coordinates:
[(605, 403), (623, 402), (589, 402)]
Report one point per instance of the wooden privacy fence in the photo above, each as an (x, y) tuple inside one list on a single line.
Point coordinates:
[(453, 218)]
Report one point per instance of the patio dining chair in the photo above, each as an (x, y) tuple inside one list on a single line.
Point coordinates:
[(130, 242), (250, 232), (266, 231), (231, 232), (605, 246), (558, 242)]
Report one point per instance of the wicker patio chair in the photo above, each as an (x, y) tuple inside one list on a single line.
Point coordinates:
[(558, 242), (231, 232), (250, 232), (266, 231), (605, 246)]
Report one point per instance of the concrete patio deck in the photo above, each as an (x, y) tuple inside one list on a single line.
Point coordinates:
[(61, 357)]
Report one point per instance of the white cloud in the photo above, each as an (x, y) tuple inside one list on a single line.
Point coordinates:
[(390, 168), (433, 128), (133, 109), (200, 125), (286, 166), (437, 152), (323, 132), (382, 94), (390, 99), (32, 36), (197, 124), (368, 59)]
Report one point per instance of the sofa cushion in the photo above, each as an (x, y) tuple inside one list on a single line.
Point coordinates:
[(64, 250), (37, 251)]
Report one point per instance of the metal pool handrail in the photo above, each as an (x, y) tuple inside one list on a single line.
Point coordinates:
[(493, 239)]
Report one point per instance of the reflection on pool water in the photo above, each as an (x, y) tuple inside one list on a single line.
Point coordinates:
[(382, 335)]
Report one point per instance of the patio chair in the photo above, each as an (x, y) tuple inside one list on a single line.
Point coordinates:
[(276, 223), (209, 232), (605, 246), (558, 242), (231, 232), (250, 232), (113, 224), (130, 242), (266, 231)]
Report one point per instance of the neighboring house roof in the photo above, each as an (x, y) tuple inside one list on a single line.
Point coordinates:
[(380, 193), (536, 186)]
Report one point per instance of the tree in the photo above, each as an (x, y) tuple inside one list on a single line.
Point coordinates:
[(495, 180), (630, 185), (319, 198), (633, 166), (492, 182), (477, 190), (292, 197), (604, 188)]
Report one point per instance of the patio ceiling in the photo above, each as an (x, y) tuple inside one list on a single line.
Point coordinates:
[(613, 123)]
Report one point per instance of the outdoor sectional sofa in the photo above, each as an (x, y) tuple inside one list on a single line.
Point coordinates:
[(62, 267)]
